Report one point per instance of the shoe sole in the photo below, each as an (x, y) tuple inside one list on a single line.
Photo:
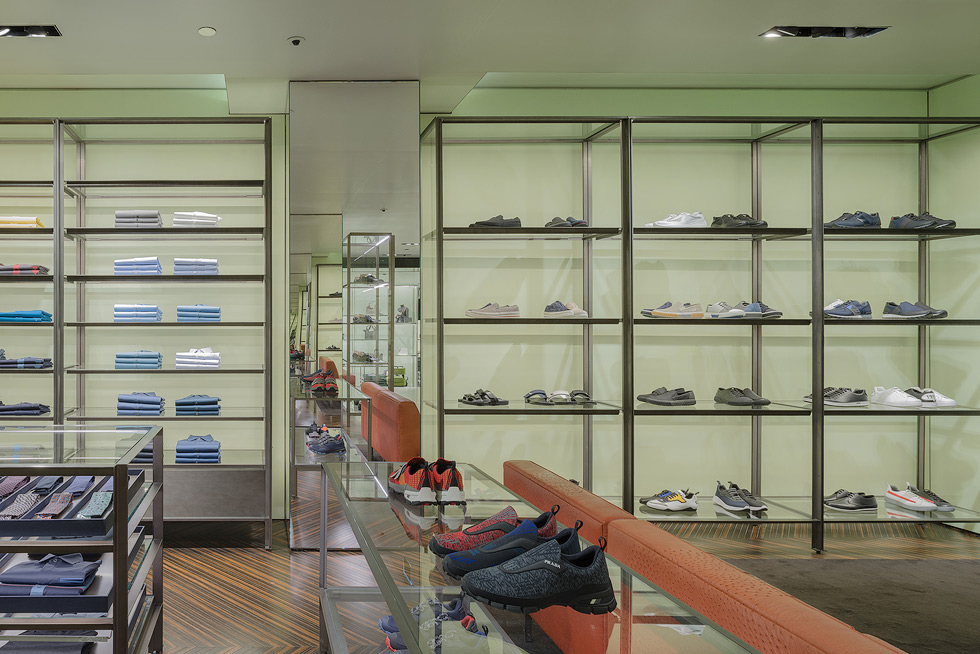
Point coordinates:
[(664, 507), (893, 316), (727, 314), (668, 402), (451, 496), (868, 509), (414, 496), (852, 226), (720, 502), (772, 314), (675, 225), (862, 317), (594, 602), (733, 403), (656, 314), (909, 507), (473, 314), (559, 314), (858, 403), (899, 406)]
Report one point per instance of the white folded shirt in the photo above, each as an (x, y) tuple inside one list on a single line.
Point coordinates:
[(194, 365), (191, 356), (196, 215)]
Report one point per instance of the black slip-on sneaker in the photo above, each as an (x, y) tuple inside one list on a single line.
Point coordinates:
[(733, 396), (498, 221), (546, 577), (523, 539), (663, 397), (933, 313)]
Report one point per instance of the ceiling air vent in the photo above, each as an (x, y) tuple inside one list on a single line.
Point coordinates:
[(821, 32), (29, 31)]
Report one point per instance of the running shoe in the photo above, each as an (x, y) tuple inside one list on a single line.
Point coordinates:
[(447, 481), (319, 386), (730, 499), (850, 310), (941, 504), (327, 444), (856, 220), (489, 530), (933, 313), (309, 379), (895, 397), (907, 499), (930, 398), (414, 482), (904, 310), (523, 539), (923, 221), (723, 310), (755, 504), (668, 500)]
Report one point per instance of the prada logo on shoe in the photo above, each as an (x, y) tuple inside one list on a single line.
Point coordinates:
[(541, 564), (552, 564)]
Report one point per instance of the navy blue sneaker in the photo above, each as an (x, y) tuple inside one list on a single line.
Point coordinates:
[(327, 444), (937, 223), (852, 309), (433, 609), (905, 310), (924, 221), (856, 220), (523, 539)]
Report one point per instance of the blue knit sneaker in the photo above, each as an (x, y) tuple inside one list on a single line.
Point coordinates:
[(856, 220), (850, 310), (903, 311), (327, 444), (729, 499), (523, 539), (557, 309), (434, 609)]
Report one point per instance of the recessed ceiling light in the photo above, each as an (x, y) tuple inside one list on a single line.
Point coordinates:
[(35, 31), (816, 32), (409, 243), (206, 31)]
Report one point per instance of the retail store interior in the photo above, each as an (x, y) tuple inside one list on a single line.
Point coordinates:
[(552, 327)]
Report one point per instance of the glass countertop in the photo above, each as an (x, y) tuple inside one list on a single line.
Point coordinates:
[(393, 537), (72, 446)]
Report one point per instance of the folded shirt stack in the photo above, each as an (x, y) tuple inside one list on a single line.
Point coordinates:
[(54, 575), (195, 266), (198, 313), (137, 266), (145, 455), (136, 313), (139, 360), (203, 357), (198, 405), (138, 219), (23, 269), (199, 449), (24, 362), (20, 221), (35, 315), (139, 404), (195, 219), (23, 409)]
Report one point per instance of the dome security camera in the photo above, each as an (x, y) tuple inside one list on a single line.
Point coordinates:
[(296, 40)]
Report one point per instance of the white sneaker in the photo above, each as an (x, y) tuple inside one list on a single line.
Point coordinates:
[(683, 219), (893, 396), (723, 310), (577, 311), (402, 352), (932, 398), (680, 500), (494, 310), (907, 499)]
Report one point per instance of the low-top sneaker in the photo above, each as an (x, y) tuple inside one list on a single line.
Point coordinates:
[(829, 389), (494, 310), (894, 396), (576, 310), (729, 499), (433, 609), (733, 396), (498, 221), (447, 482), (546, 577), (846, 397), (668, 500), (755, 504), (414, 481), (850, 310), (675, 310), (930, 398), (444, 636), (903, 310), (497, 525), (907, 499), (755, 397), (933, 313), (853, 503), (523, 539), (558, 309), (941, 504), (723, 310), (664, 397), (758, 310), (923, 221), (856, 220), (327, 444), (937, 223), (683, 219), (741, 220)]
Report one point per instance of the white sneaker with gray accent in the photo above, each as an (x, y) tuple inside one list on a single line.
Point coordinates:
[(723, 310), (494, 310)]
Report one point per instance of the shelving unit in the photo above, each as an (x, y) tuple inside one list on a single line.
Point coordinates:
[(369, 254), (328, 307), (131, 540)]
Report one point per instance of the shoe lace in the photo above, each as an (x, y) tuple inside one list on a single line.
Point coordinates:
[(928, 494), (736, 392), (831, 392)]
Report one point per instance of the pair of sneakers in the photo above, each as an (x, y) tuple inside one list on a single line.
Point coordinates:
[(324, 442), (559, 309), (734, 498), (682, 219), (421, 482), (324, 383)]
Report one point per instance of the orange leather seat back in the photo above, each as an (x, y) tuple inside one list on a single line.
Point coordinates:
[(396, 426)]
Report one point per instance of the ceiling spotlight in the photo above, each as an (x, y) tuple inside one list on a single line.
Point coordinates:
[(822, 31), (35, 31), (206, 31)]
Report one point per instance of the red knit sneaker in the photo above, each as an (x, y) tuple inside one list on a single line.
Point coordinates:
[(490, 530), (448, 482), (414, 482)]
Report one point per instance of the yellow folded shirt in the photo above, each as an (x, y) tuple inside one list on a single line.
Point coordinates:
[(20, 221)]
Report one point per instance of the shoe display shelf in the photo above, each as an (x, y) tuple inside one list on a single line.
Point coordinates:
[(27, 188), (125, 617), (220, 166), (369, 256), (328, 307)]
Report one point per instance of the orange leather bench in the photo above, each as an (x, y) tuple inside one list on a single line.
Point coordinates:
[(396, 425), (543, 488), (327, 365)]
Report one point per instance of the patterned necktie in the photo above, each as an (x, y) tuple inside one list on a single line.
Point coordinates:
[(59, 502), (97, 505), (21, 505), (11, 484)]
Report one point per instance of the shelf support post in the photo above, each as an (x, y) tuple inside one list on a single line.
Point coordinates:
[(756, 449), (587, 331), (626, 173), (817, 340), (58, 263), (440, 301), (923, 422)]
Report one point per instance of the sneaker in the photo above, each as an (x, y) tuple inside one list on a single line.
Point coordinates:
[(924, 221), (729, 499), (576, 310), (319, 386), (733, 396), (332, 348), (546, 577), (941, 504), (327, 444), (523, 539), (309, 379), (933, 313), (905, 310), (845, 397), (663, 397), (494, 310), (447, 481), (447, 636), (756, 398), (668, 500), (829, 389), (361, 318), (758, 310), (937, 223), (489, 530), (850, 310), (366, 278), (856, 220), (853, 503), (683, 219), (558, 309), (907, 499), (674, 310), (414, 482), (930, 398), (498, 221), (433, 609), (723, 310), (894, 396), (741, 220), (755, 504)]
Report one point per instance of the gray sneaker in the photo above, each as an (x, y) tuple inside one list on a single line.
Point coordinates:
[(729, 499), (676, 397), (933, 313), (494, 310), (827, 390), (755, 504), (853, 503), (733, 396), (497, 221), (941, 504), (846, 397), (546, 577), (756, 398)]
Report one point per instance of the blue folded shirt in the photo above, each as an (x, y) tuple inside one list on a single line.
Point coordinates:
[(141, 398), (198, 308)]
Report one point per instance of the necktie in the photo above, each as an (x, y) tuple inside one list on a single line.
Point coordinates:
[(21, 505), (11, 484), (79, 485), (58, 503), (46, 484), (97, 505)]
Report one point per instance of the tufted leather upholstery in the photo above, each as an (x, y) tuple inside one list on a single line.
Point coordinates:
[(543, 489), (763, 616), (395, 424)]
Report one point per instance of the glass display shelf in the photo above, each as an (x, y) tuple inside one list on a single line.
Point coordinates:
[(239, 369), (532, 321), (886, 512), (345, 391), (165, 279), (169, 413), (521, 408), (27, 233), (730, 322), (882, 410), (25, 279), (306, 459), (162, 183), (182, 325), (165, 233), (25, 324), (781, 509), (718, 234), (393, 537), (896, 234), (26, 371), (528, 233), (710, 407), (75, 448), (928, 322)]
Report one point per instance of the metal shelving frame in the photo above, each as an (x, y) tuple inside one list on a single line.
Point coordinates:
[(383, 267)]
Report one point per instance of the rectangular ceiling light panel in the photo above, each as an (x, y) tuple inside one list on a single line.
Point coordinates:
[(817, 32)]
